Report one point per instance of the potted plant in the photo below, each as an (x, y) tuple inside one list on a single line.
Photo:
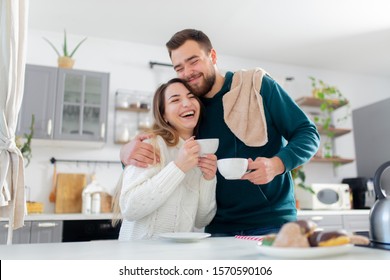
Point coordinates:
[(299, 178), (25, 147), (65, 59), (330, 96)]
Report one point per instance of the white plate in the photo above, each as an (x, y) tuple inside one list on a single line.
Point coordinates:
[(303, 253), (184, 236)]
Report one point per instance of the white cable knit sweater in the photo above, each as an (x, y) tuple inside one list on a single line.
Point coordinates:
[(162, 198)]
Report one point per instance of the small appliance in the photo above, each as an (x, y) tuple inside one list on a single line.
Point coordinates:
[(380, 212), (363, 194), (327, 196)]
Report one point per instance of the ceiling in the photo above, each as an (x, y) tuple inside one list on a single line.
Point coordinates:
[(344, 35)]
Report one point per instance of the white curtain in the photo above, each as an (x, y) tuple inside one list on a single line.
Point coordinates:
[(13, 37)]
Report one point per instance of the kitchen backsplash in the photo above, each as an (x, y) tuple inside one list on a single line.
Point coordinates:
[(39, 174)]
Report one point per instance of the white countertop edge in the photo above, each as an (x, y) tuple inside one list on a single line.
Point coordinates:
[(217, 248), (334, 212), (109, 216), (67, 216)]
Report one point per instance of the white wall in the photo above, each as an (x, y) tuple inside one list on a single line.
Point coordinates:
[(128, 65)]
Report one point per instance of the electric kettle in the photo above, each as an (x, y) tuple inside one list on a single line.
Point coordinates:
[(380, 211)]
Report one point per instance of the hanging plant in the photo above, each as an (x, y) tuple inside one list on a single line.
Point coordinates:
[(329, 96)]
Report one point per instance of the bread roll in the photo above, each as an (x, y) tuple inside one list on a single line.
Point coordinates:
[(358, 240), (290, 235), (328, 238)]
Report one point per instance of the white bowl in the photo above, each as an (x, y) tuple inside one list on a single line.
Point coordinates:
[(232, 168), (208, 146)]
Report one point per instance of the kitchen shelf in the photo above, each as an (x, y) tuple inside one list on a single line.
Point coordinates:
[(130, 109), (120, 142), (332, 160), (316, 102), (132, 114), (337, 131), (310, 101)]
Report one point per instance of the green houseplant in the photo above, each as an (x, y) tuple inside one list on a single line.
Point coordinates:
[(65, 59), (331, 98), (25, 147), (299, 178)]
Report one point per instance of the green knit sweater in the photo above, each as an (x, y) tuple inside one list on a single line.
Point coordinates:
[(292, 137)]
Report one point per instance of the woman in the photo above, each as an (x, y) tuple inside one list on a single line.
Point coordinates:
[(178, 193)]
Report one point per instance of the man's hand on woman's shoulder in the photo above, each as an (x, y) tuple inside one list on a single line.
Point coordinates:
[(138, 153)]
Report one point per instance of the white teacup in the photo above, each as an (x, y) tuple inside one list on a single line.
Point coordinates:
[(208, 146), (232, 168)]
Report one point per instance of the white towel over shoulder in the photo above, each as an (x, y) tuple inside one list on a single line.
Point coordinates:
[(243, 108)]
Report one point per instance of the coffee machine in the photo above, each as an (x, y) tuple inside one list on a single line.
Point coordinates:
[(363, 193)]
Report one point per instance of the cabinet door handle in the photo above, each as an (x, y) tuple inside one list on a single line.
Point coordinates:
[(317, 218), (47, 225), (6, 225), (102, 130), (49, 127)]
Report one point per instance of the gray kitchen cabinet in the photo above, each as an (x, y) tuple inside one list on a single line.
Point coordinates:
[(33, 232), (19, 236), (326, 222), (329, 220), (40, 87), (46, 232), (81, 105), (68, 104), (356, 223)]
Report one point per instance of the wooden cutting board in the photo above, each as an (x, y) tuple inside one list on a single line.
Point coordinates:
[(69, 192)]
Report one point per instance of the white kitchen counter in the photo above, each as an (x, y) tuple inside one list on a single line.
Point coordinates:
[(334, 212), (67, 216), (108, 216), (222, 248)]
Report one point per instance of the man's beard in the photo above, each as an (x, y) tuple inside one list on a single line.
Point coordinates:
[(204, 88)]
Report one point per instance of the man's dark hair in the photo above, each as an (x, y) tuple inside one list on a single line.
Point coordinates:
[(179, 38)]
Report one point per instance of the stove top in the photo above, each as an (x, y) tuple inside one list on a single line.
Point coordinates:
[(376, 245)]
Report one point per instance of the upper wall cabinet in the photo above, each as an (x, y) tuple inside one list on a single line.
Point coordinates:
[(67, 104)]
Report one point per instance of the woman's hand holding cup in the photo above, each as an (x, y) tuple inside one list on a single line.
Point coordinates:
[(208, 166), (188, 156)]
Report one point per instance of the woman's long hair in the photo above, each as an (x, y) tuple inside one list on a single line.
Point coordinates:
[(160, 127)]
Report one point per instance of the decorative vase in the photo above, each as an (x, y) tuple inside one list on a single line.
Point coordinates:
[(65, 62)]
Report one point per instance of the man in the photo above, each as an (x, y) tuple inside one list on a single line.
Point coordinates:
[(254, 118)]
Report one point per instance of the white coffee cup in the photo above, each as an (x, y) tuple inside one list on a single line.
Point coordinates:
[(208, 146), (232, 168)]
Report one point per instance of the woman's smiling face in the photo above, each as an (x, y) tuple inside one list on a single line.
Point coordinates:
[(182, 109)]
